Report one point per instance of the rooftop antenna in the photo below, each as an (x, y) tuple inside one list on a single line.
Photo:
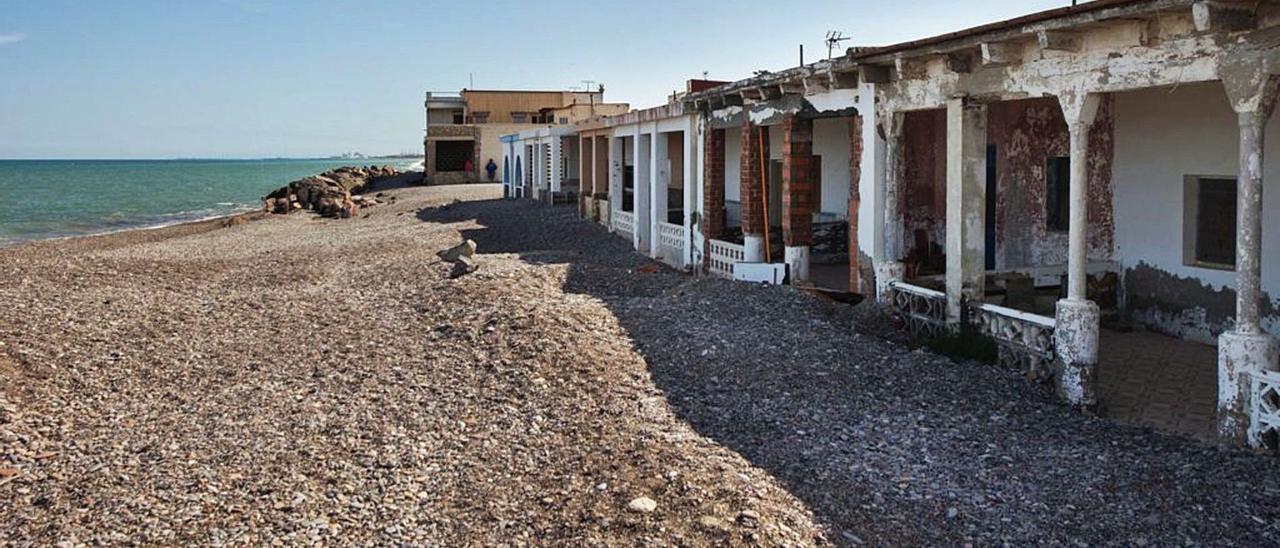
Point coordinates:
[(705, 74), (834, 37)]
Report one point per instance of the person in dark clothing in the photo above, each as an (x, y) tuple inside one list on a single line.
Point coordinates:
[(491, 168)]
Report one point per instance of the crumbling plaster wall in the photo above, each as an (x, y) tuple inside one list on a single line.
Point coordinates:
[(923, 193), (1026, 134), (1162, 135)]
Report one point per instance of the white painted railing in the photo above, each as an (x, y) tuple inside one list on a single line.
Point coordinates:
[(624, 222), (723, 255), (671, 237), (1264, 412), (923, 310), (1025, 340)]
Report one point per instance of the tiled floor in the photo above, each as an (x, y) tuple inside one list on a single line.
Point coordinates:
[(1157, 381)]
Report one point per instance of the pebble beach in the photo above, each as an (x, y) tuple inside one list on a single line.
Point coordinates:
[(291, 379)]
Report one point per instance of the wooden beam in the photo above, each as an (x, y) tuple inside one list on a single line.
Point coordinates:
[(1059, 40), (1211, 16), (1001, 53)]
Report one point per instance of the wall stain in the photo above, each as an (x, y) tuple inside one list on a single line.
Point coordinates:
[(1183, 306)]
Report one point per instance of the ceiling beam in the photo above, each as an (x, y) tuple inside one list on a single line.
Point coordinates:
[(1210, 16), (1059, 40)]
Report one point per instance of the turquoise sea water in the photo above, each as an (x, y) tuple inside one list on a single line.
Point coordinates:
[(56, 198)]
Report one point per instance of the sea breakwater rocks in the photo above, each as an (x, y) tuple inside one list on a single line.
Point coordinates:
[(333, 193)]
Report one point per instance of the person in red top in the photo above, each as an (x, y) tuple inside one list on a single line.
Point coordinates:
[(469, 166)]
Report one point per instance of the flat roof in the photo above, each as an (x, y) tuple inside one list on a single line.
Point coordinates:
[(859, 53)]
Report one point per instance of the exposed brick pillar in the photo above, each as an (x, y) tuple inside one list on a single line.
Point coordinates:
[(797, 194), (753, 215), (713, 184), (855, 201)]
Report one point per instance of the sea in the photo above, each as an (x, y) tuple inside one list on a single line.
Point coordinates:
[(42, 199)]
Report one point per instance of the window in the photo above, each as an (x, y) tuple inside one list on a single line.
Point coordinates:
[(480, 118), (458, 118), (563, 120), (1057, 194), (454, 155), (520, 117), (1209, 222)]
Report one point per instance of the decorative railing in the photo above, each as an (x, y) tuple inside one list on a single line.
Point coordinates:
[(1024, 340), (723, 255), (924, 311), (1264, 398), (624, 222), (671, 237)]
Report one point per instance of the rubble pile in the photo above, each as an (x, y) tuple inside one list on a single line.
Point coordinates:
[(334, 193)]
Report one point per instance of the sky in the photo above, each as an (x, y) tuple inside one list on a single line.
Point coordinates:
[(277, 78)]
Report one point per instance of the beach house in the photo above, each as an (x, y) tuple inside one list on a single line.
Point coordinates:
[(1082, 187), (464, 129)]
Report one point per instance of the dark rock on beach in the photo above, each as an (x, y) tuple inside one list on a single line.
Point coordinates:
[(334, 193)]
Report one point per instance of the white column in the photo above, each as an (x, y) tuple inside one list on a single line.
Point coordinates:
[(966, 204), (1246, 348), (557, 165), (660, 175), (643, 181), (889, 267), (692, 203), (1077, 318)]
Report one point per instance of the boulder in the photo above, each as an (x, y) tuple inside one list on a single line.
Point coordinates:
[(331, 194)]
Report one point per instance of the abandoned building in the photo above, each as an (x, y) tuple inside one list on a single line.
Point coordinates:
[(464, 129), (1083, 186)]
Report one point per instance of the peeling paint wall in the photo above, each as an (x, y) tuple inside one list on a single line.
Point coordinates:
[(1026, 134), (924, 187), (1162, 135)]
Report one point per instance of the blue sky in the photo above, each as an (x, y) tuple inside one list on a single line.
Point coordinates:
[(255, 78)]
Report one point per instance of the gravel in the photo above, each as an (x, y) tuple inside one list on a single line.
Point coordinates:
[(296, 380)]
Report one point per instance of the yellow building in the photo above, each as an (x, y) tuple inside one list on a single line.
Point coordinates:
[(463, 129)]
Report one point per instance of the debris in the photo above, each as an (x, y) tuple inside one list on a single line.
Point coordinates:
[(643, 505)]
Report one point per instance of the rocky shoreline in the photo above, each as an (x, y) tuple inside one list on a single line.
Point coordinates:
[(334, 193)]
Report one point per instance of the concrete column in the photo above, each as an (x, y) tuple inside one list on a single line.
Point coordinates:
[(586, 174), (1076, 332), (660, 175), (797, 195), (689, 152), (644, 181), (557, 166), (966, 204), (752, 193), (891, 268), (855, 202), (1246, 348), (615, 173)]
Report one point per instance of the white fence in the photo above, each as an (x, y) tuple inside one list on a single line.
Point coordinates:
[(671, 241), (923, 310), (624, 222), (1025, 340), (1264, 417), (723, 255)]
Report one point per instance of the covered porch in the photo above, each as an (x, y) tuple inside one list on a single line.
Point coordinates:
[(1074, 222)]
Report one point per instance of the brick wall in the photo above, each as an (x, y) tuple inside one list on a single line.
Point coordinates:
[(753, 217), (713, 184), (855, 201), (797, 182)]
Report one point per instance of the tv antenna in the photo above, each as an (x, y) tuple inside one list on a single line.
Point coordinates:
[(834, 37)]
